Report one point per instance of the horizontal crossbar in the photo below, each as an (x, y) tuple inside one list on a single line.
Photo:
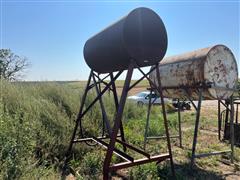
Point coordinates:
[(115, 151), (122, 165), (133, 148), (91, 139), (161, 137), (211, 154)]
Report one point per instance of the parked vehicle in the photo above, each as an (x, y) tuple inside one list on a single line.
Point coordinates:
[(143, 98), (182, 104)]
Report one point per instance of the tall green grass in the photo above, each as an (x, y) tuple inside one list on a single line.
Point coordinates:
[(36, 122)]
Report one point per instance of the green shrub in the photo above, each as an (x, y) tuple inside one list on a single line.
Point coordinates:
[(91, 166), (144, 172), (33, 128)]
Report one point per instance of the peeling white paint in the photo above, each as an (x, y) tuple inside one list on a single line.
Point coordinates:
[(215, 65)]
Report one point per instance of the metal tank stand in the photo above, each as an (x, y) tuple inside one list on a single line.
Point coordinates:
[(198, 112), (223, 115), (146, 137), (111, 138), (223, 120)]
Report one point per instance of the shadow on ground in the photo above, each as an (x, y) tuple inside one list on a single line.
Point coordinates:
[(184, 172)]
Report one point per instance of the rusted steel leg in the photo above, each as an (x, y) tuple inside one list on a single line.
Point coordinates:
[(103, 122), (104, 114), (189, 98), (219, 120), (147, 121), (165, 119), (237, 114), (114, 90), (232, 129), (179, 125), (117, 123), (196, 128), (78, 121), (226, 116), (100, 94), (144, 76)]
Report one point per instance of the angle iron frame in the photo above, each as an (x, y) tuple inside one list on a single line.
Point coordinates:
[(112, 132), (200, 88), (146, 137), (224, 115)]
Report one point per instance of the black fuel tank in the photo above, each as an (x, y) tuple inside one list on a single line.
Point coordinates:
[(141, 36)]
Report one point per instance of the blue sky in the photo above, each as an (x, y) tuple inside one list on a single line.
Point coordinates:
[(51, 34)]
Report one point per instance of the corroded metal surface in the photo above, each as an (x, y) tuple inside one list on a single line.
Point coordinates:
[(214, 66)]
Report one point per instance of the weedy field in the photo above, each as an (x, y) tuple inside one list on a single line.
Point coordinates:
[(36, 121)]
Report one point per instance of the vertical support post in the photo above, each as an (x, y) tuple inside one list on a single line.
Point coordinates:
[(237, 114), (114, 90), (117, 123), (219, 120), (104, 114), (78, 120), (196, 128), (160, 91), (147, 122), (232, 129), (103, 122), (226, 116), (179, 125)]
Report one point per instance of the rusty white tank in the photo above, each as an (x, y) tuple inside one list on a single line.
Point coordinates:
[(215, 68)]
